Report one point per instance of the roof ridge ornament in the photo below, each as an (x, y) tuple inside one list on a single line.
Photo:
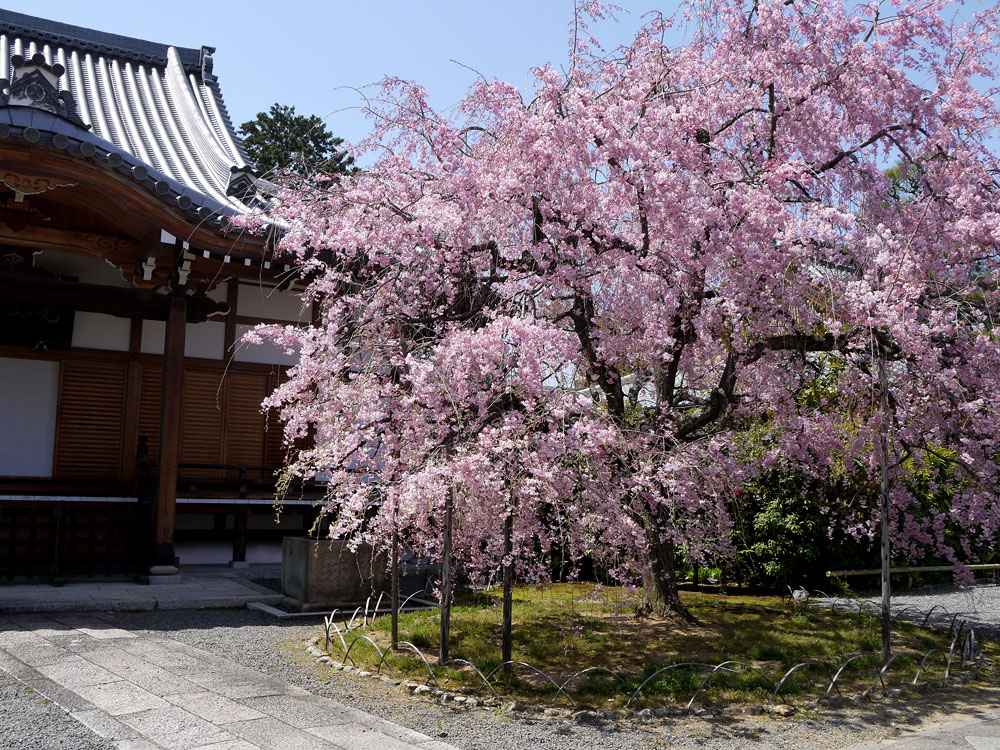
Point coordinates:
[(35, 83), (207, 64), (242, 183)]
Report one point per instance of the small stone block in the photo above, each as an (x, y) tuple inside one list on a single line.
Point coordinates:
[(163, 570), (162, 580)]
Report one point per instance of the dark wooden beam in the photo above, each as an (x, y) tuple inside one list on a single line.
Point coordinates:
[(123, 302), (135, 336), (119, 199), (170, 433), (99, 245)]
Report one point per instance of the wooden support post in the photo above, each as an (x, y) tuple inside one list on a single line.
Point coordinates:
[(240, 535), (394, 640), (883, 459), (133, 388), (170, 433), (443, 649), (507, 637), (135, 336)]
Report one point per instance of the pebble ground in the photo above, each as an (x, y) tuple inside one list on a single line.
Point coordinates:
[(276, 647), (30, 722)]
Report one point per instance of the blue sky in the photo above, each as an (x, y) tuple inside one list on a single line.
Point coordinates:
[(310, 53)]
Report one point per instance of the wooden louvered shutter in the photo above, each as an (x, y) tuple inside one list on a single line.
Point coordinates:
[(201, 422), (150, 396), (245, 436), (274, 446), (91, 420)]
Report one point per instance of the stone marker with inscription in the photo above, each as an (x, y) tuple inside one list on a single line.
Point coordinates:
[(322, 574)]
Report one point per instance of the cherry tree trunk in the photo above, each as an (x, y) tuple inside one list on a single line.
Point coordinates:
[(660, 596)]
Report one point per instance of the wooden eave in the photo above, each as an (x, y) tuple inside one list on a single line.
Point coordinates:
[(115, 218)]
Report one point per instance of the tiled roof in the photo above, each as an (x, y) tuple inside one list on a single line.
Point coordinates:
[(153, 111)]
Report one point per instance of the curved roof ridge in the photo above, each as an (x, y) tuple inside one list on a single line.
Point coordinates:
[(92, 40), (158, 103)]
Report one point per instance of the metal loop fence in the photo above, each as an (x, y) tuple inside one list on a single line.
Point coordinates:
[(786, 676), (964, 640)]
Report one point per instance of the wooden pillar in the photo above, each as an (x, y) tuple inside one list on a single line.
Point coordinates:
[(883, 459), (240, 534), (170, 432), (133, 385), (394, 638), (506, 629), (444, 652)]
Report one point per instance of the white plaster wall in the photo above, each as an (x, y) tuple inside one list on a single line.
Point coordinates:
[(265, 353), (99, 331), (29, 395), (203, 340), (220, 291), (258, 301), (219, 553), (153, 332)]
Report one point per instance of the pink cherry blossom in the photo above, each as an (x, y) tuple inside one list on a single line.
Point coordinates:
[(599, 308)]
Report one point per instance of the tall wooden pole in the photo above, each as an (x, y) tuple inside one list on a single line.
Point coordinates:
[(394, 641), (883, 455), (507, 638), (170, 435), (443, 649)]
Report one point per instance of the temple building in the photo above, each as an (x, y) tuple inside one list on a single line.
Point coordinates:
[(131, 433)]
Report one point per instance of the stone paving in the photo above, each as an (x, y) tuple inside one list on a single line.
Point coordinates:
[(980, 733), (198, 588), (145, 691)]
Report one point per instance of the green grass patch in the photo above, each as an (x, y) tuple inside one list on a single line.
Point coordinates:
[(565, 628)]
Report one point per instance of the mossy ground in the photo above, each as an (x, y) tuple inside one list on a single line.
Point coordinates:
[(565, 628)]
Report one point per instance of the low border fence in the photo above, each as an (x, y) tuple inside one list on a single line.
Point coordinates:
[(964, 652)]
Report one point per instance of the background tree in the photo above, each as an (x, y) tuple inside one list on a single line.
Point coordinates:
[(697, 233), (280, 139), (782, 535)]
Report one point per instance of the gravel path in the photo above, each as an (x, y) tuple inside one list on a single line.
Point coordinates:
[(979, 605), (276, 647), (30, 722)]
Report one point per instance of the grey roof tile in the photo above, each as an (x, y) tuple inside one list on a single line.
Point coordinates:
[(101, 42), (158, 106)]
